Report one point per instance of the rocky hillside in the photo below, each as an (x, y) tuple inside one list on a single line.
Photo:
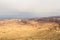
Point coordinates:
[(55, 19)]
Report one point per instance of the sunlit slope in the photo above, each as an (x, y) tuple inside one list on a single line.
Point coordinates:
[(32, 30)]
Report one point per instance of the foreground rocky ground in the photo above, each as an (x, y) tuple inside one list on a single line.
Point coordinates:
[(29, 29)]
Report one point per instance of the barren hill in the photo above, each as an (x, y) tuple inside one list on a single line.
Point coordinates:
[(30, 29)]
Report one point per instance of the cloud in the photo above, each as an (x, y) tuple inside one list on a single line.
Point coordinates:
[(30, 5)]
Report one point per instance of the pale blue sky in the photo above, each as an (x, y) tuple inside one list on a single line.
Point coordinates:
[(32, 7)]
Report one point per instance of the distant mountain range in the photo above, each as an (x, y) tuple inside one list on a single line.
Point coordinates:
[(26, 14)]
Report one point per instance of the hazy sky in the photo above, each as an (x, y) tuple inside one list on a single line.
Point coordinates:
[(35, 7)]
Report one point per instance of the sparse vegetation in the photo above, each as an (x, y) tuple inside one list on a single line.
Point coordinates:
[(30, 29)]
